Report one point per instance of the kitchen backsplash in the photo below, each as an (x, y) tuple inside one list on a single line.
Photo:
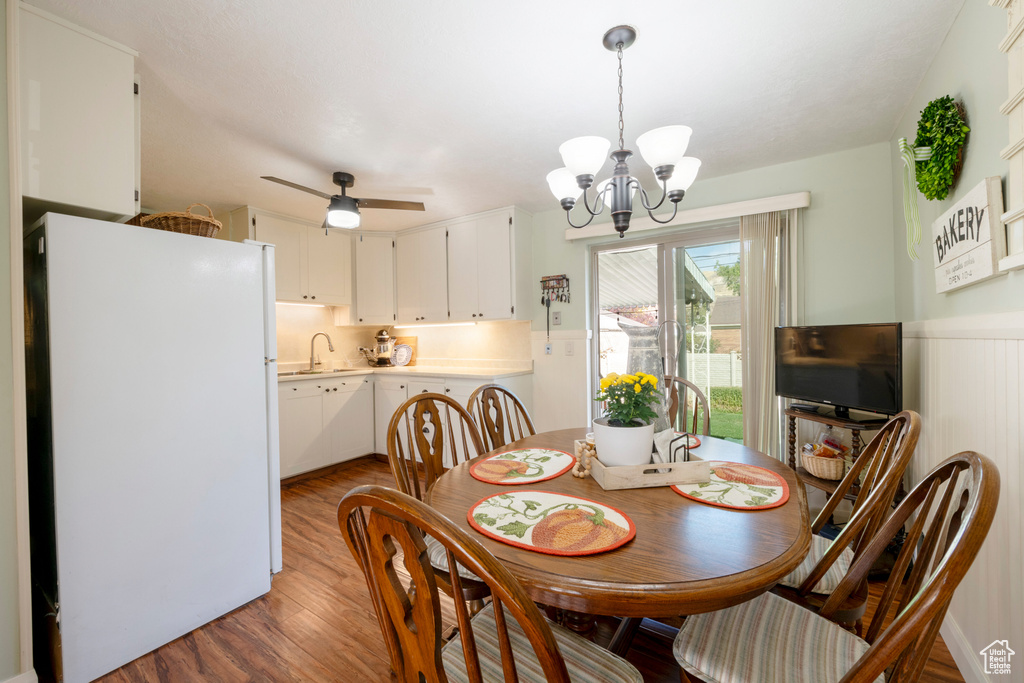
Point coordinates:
[(504, 342)]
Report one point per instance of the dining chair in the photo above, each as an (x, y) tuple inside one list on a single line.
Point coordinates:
[(772, 640), (508, 640), (500, 415), (679, 404), (877, 472), (427, 435)]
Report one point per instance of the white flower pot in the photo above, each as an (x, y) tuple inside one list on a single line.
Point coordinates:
[(619, 446)]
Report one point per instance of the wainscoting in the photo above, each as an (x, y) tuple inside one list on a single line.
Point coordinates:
[(966, 378)]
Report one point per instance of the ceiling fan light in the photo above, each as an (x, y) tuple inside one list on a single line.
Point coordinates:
[(665, 145), (585, 155), (684, 175), (343, 212), (563, 184)]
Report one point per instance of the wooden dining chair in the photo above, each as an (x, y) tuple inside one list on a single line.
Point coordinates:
[(679, 392), (500, 415), (508, 640), (427, 435), (770, 639), (878, 470)]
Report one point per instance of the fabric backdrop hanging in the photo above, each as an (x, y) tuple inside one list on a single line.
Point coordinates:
[(765, 263)]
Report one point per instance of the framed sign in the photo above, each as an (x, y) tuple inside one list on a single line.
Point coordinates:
[(969, 239)]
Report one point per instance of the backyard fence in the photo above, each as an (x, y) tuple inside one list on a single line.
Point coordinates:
[(725, 369)]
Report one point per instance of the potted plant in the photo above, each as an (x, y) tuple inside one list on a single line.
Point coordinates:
[(625, 435)]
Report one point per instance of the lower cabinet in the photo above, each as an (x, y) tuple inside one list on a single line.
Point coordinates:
[(389, 397), (325, 421)]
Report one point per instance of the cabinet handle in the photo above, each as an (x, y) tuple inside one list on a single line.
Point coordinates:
[(312, 297), (360, 320), (304, 296), (474, 315), (402, 386), (295, 388), (480, 314), (327, 390), (342, 384), (447, 391)]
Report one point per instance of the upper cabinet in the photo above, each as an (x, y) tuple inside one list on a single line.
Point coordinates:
[(422, 276), (311, 266), (484, 268), (375, 279), (78, 108)]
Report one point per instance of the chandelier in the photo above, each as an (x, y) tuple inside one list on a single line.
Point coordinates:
[(662, 148)]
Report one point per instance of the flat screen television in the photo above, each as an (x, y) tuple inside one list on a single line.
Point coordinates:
[(846, 366)]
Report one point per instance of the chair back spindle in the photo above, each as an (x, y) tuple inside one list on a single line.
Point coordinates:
[(500, 415), (679, 404)]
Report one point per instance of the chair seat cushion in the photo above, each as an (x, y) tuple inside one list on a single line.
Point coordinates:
[(439, 559), (835, 573), (585, 661), (766, 640)]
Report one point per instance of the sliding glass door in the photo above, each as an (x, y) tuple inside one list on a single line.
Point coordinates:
[(642, 289)]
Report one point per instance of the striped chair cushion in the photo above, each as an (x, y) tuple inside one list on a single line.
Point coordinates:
[(766, 640), (438, 556), (835, 573), (585, 661)]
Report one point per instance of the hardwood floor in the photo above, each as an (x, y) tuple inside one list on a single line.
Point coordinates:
[(317, 623)]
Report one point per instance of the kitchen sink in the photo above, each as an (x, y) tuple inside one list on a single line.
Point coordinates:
[(316, 372)]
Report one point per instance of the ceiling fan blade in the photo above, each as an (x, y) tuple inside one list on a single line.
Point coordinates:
[(310, 190), (389, 204)]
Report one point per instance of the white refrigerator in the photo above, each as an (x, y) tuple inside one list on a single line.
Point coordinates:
[(154, 485)]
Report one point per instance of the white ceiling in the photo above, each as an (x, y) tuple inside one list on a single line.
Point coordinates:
[(462, 104)]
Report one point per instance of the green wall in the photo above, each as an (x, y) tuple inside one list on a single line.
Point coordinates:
[(10, 664), (846, 263), (970, 67)]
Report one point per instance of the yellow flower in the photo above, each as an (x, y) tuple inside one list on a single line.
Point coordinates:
[(654, 381), (636, 387)]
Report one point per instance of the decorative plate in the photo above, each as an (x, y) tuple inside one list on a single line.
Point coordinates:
[(551, 523), (738, 486), (523, 466), (401, 354)]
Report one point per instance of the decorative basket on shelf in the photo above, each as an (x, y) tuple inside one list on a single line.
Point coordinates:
[(824, 468), (184, 222)]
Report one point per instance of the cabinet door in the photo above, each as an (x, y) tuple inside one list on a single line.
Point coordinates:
[(330, 266), (388, 397), (494, 267), (407, 264), (422, 276), (303, 444), (375, 280), (289, 256), (77, 118), (424, 386), (348, 419), (463, 275)]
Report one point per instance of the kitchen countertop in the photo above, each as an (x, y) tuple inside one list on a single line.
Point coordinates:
[(417, 371)]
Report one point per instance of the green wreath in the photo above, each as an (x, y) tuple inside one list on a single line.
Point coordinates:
[(942, 128)]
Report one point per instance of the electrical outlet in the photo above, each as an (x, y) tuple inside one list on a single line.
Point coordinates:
[(569, 348), (547, 349), (556, 317)]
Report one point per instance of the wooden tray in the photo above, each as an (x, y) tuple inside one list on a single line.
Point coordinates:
[(647, 476)]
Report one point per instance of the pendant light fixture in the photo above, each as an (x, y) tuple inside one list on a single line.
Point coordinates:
[(662, 148)]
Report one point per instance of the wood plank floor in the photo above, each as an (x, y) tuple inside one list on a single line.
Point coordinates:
[(317, 623)]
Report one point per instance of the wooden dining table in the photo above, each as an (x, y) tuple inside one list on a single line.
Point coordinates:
[(687, 557)]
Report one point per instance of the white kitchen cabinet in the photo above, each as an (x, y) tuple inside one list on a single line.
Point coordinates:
[(375, 279), (389, 395), (324, 421), (311, 266), (426, 386), (78, 118), (422, 276), (480, 268)]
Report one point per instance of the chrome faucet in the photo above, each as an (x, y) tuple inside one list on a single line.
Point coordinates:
[(312, 353)]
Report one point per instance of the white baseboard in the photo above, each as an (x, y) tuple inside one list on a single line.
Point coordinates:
[(27, 677), (967, 660)]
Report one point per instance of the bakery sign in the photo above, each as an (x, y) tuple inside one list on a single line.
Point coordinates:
[(969, 239)]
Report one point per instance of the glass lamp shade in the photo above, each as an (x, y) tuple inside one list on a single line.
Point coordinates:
[(343, 212), (601, 198), (563, 184), (684, 174), (665, 145), (586, 155)]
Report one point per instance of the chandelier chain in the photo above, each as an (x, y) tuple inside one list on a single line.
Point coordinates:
[(622, 144)]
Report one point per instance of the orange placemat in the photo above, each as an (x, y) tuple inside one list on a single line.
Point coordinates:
[(551, 523), (523, 466), (739, 487)]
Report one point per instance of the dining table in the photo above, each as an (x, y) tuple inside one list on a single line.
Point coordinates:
[(687, 557)]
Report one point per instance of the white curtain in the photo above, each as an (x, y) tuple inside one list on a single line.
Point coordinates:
[(765, 263)]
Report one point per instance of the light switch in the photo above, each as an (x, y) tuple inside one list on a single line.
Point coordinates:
[(556, 317), (568, 348)]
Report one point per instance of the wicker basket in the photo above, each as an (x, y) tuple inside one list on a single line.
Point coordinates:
[(185, 222), (824, 468)]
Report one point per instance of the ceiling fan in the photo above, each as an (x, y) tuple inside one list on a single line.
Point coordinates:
[(343, 211)]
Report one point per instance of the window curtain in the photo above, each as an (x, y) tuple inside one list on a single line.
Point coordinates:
[(766, 261)]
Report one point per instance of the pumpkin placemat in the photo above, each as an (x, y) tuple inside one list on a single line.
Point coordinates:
[(738, 486), (523, 466), (551, 523)]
